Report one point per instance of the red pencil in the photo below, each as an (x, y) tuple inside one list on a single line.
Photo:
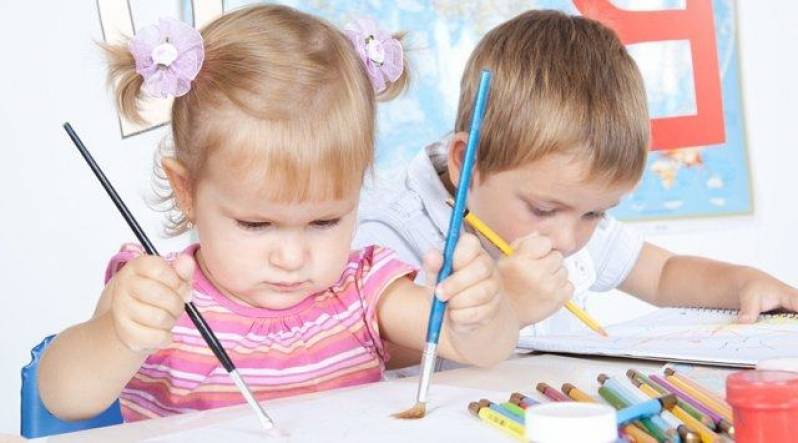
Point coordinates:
[(551, 393)]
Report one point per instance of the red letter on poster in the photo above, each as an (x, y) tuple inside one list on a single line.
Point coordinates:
[(696, 24)]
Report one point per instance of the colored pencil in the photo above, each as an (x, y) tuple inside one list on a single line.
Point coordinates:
[(722, 424), (706, 434), (497, 420), (637, 377), (721, 409), (551, 393)]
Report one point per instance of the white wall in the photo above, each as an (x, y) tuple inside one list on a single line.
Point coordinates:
[(58, 228)]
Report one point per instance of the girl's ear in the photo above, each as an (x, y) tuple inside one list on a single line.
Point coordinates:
[(180, 183), (455, 156)]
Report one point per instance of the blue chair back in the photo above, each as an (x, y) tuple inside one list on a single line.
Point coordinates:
[(37, 421)]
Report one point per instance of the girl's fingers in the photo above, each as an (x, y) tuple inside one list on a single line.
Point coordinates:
[(151, 317), (468, 248), (156, 268), (475, 295), (432, 264), (473, 316), (156, 294), (477, 271)]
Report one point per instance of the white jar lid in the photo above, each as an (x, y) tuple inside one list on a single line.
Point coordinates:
[(567, 422), (779, 364)]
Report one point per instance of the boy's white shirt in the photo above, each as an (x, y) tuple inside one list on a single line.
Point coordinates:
[(407, 212)]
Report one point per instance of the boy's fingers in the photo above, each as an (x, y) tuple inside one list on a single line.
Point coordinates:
[(552, 262), (560, 276), (533, 246), (749, 310)]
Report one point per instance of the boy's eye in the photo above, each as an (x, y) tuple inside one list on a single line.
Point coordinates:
[(325, 223), (253, 226), (594, 215)]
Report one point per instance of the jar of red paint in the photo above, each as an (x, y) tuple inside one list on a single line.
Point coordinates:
[(765, 405)]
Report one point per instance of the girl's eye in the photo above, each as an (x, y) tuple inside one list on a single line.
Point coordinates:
[(542, 212), (325, 223), (253, 226)]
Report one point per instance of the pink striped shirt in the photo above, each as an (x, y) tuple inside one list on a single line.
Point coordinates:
[(329, 340)]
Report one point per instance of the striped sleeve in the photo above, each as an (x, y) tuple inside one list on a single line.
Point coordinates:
[(379, 268)]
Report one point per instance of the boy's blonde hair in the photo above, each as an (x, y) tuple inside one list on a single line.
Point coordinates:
[(560, 84), (278, 82)]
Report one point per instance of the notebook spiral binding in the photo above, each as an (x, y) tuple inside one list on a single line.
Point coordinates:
[(771, 314)]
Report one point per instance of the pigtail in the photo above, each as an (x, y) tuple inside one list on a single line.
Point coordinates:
[(397, 87), (124, 81)]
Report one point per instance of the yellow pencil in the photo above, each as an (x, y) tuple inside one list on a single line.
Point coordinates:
[(707, 436), (505, 248), (493, 418)]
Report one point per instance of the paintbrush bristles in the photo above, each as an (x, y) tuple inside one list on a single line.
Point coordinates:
[(414, 413)]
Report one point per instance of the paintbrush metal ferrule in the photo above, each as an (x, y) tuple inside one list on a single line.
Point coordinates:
[(427, 368)]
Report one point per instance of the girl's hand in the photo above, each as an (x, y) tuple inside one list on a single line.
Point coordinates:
[(472, 290), (760, 292), (147, 296)]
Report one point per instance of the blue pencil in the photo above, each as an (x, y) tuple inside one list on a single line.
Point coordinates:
[(648, 409), (455, 224)]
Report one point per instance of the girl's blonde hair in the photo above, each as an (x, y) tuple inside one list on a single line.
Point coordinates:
[(275, 81)]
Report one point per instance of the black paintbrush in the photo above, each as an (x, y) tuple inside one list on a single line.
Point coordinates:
[(191, 310)]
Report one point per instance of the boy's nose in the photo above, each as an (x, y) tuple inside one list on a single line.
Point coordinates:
[(563, 238)]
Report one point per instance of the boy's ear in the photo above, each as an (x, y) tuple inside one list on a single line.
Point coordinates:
[(456, 155), (177, 174)]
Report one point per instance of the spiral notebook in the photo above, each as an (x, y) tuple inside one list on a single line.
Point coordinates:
[(691, 335)]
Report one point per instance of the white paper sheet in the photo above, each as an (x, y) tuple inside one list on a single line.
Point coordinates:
[(357, 415), (688, 335)]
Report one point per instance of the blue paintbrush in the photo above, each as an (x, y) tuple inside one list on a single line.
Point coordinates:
[(455, 224)]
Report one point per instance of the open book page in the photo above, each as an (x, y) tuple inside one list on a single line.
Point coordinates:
[(683, 334)]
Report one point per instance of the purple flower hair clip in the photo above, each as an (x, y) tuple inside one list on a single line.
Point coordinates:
[(168, 55), (380, 52)]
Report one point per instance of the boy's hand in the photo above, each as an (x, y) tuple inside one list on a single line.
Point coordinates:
[(535, 279), (147, 296), (472, 290), (760, 293)]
